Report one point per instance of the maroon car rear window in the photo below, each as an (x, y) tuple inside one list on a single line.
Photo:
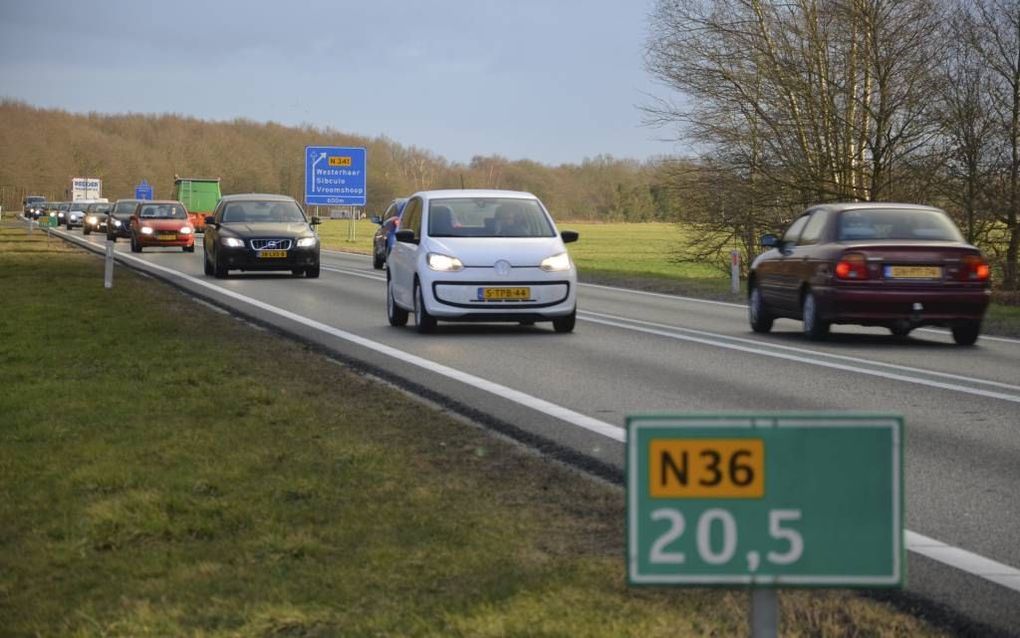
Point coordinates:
[(896, 224)]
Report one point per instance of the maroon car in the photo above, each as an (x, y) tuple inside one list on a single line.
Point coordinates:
[(875, 264)]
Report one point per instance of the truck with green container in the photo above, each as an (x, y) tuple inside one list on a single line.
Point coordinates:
[(199, 195)]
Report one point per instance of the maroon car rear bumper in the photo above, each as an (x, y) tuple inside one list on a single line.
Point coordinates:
[(885, 306)]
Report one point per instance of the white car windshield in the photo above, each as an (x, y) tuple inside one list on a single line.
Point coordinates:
[(488, 217)]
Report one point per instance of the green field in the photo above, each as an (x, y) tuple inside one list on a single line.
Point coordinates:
[(157, 479)]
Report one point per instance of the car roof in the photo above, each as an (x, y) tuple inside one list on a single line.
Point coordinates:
[(159, 201), (473, 192), (841, 206), (269, 197)]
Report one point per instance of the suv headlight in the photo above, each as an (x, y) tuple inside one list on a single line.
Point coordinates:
[(305, 242), (116, 223), (556, 263), (444, 263), (233, 242)]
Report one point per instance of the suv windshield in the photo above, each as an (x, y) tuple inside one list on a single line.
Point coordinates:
[(882, 223), (100, 209), (257, 212), (125, 207), (488, 217), (162, 211)]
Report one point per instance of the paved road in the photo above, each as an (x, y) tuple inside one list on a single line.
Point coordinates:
[(640, 352)]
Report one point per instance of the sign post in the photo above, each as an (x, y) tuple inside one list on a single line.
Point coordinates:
[(336, 176), (765, 501)]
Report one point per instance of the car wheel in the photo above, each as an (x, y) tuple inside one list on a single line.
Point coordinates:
[(206, 264), (220, 269), (966, 333), (814, 328), (135, 246), (85, 230), (377, 261), (757, 315), (110, 237), (900, 329), (312, 272), (189, 249), (422, 319), (396, 315), (565, 323)]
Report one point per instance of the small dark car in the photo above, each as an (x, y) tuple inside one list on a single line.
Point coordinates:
[(257, 232), (900, 266), (33, 204), (95, 218), (385, 235), (118, 220)]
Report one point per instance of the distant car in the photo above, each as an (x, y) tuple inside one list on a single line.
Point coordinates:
[(75, 215), (95, 218), (61, 211), (257, 232), (119, 217), (32, 205), (480, 255), (163, 223), (382, 241), (900, 266)]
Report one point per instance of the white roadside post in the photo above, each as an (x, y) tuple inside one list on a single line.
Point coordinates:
[(108, 270), (735, 271), (764, 612)]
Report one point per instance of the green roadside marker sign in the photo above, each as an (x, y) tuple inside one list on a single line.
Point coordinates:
[(767, 500)]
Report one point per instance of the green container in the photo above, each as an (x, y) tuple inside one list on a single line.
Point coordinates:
[(198, 195)]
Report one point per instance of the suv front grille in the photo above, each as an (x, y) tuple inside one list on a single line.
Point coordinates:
[(271, 244)]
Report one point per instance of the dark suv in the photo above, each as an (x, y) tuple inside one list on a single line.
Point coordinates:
[(118, 220)]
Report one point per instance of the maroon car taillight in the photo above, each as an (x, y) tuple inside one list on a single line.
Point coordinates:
[(852, 266), (974, 268)]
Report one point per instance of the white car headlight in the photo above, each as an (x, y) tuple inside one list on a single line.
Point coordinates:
[(556, 263), (305, 242), (91, 219), (233, 242), (147, 230), (444, 263), (116, 223), (60, 214), (186, 230)]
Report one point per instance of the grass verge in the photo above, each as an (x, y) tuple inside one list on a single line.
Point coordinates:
[(168, 470)]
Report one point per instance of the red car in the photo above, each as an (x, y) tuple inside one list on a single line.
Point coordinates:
[(161, 223), (900, 266)]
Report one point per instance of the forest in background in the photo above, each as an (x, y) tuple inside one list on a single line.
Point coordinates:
[(42, 149)]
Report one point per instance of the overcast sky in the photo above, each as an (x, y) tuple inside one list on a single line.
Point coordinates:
[(549, 80)]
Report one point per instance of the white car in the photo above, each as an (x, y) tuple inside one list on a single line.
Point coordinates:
[(480, 255)]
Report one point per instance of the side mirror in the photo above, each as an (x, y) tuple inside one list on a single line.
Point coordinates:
[(315, 221), (377, 220), (405, 236), (210, 220), (769, 241), (569, 236)]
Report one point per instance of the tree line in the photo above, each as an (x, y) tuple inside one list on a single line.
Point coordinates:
[(793, 102), (42, 149)]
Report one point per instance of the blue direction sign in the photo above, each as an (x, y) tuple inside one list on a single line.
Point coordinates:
[(335, 176), (143, 190)]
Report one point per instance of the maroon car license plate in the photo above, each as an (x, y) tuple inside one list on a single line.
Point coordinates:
[(913, 272)]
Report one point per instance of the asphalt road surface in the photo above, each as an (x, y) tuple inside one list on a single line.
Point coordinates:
[(636, 352)]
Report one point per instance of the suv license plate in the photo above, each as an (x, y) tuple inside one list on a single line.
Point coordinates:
[(272, 254)]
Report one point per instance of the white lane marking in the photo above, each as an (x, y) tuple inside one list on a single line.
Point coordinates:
[(355, 273), (961, 559), (661, 295), (817, 353), (792, 357), (540, 405)]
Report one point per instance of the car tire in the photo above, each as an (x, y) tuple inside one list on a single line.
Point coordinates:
[(220, 269), (565, 323), (110, 237), (377, 262), (814, 328), (966, 333), (423, 321), (759, 318), (135, 246), (312, 272), (297, 272), (206, 264), (85, 230), (189, 249), (900, 329), (396, 315)]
